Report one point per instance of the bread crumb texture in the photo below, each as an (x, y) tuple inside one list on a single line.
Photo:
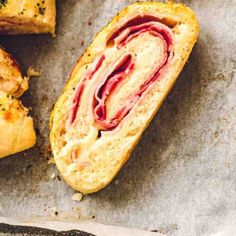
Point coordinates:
[(77, 197)]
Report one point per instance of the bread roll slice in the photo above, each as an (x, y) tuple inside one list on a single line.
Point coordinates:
[(116, 88), (16, 128), (27, 16)]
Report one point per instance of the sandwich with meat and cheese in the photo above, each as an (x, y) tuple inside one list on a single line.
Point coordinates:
[(116, 88)]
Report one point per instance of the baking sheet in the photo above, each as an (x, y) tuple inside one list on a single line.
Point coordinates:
[(181, 178)]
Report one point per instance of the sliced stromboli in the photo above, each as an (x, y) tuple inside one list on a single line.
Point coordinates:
[(16, 128), (116, 88), (11, 80), (27, 16)]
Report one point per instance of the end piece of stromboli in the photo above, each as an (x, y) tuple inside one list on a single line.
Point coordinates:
[(116, 88)]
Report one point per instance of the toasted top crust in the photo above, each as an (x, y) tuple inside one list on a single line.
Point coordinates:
[(108, 154), (27, 16)]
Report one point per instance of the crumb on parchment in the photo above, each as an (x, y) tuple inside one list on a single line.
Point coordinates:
[(51, 161), (53, 212), (53, 176), (77, 197), (32, 72)]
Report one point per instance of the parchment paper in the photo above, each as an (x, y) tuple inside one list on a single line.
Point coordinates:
[(181, 178), (43, 227)]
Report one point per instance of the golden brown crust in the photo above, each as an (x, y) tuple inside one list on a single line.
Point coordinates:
[(16, 128), (28, 16), (169, 12), (11, 80)]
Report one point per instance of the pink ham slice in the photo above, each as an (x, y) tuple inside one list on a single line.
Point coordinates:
[(104, 91), (125, 66), (80, 89)]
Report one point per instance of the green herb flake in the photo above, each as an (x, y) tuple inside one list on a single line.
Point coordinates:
[(42, 10), (22, 12), (3, 3), (40, 7)]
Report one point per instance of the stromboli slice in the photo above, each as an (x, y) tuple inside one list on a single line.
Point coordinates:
[(16, 128), (11, 80), (116, 88), (27, 16)]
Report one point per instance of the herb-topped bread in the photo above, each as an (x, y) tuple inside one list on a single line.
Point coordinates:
[(27, 16), (116, 88), (11, 80)]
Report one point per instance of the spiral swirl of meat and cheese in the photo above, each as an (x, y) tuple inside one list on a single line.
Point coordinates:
[(124, 70), (116, 88)]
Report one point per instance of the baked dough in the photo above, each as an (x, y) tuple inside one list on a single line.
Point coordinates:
[(27, 16), (116, 88), (11, 80), (16, 128)]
